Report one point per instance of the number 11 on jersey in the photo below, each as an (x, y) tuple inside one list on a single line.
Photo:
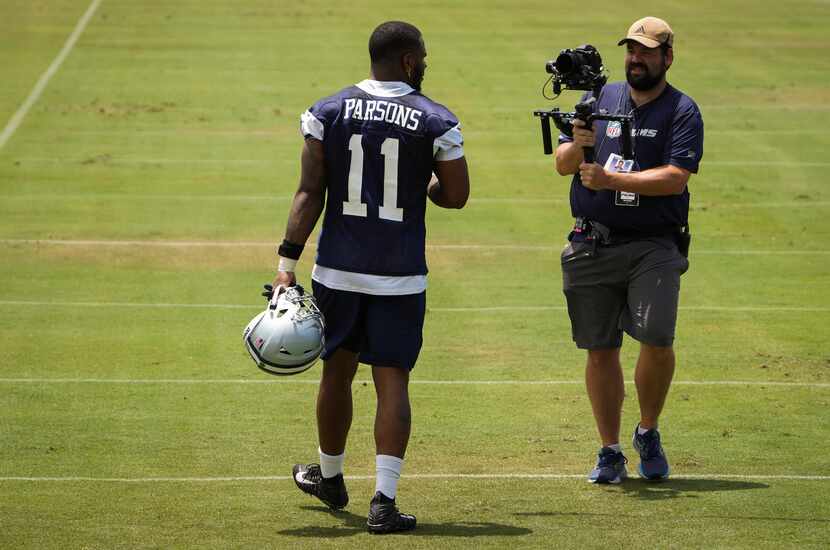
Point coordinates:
[(389, 209)]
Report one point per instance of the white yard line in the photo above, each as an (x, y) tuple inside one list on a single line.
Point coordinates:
[(801, 252), (793, 163), (313, 381), (159, 305), (20, 114), (135, 243), (121, 160), (123, 197), (667, 484), (312, 244), (492, 309), (804, 203)]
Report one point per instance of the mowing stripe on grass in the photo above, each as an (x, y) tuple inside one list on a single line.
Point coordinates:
[(194, 131), (276, 160), (311, 245), (492, 309), (20, 114), (121, 197), (675, 477), (802, 309), (301, 381)]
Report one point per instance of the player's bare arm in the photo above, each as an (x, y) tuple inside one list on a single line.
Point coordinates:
[(450, 187), (307, 206), (655, 182), (310, 196)]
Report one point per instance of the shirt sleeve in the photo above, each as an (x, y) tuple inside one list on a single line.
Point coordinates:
[(449, 145), (317, 118), (311, 126), (685, 148)]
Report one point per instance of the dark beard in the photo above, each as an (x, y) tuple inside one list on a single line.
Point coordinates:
[(417, 77), (645, 81)]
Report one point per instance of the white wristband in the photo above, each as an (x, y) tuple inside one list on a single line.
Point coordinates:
[(287, 264)]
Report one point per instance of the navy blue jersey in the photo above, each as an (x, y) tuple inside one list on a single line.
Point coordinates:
[(380, 141), (666, 130)]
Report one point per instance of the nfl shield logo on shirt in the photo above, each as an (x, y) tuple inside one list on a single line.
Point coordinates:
[(614, 129)]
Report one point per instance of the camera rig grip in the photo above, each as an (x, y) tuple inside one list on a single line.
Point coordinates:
[(584, 112)]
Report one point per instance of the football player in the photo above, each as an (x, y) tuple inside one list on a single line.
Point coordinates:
[(378, 149)]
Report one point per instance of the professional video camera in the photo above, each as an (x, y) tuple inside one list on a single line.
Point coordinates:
[(579, 69)]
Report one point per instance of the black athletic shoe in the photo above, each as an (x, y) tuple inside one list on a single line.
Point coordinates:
[(384, 516), (330, 490)]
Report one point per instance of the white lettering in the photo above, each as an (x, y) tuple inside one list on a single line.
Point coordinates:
[(349, 107), (415, 118), (403, 114), (644, 132), (370, 110), (380, 110), (391, 112)]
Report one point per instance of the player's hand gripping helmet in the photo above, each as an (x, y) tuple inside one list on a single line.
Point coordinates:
[(286, 338)]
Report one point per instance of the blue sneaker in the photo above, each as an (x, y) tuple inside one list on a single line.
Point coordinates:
[(610, 467), (653, 463)]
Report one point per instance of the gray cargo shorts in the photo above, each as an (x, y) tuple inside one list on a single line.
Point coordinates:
[(631, 287)]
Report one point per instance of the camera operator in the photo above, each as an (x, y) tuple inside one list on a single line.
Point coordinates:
[(621, 270)]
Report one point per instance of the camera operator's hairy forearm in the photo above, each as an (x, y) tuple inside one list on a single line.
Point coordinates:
[(568, 158), (656, 182), (310, 196)]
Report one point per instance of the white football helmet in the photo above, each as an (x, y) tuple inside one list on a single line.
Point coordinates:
[(286, 338)]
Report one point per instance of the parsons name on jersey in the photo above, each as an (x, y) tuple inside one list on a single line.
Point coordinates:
[(381, 110)]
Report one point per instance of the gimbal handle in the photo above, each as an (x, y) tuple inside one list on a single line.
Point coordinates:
[(563, 122), (585, 112)]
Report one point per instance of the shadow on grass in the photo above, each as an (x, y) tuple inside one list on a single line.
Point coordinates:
[(613, 515), (688, 488), (354, 524), (673, 488), (666, 489)]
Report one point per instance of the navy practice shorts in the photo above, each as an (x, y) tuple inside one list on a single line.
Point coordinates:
[(387, 331), (631, 287)]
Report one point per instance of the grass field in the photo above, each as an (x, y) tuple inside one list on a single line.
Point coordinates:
[(140, 195)]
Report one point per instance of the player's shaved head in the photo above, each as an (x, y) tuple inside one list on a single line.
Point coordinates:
[(391, 40)]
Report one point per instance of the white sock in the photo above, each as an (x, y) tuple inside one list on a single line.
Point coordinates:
[(388, 473), (331, 465), (616, 447), (641, 430)]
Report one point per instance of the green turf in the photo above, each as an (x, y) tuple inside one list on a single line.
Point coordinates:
[(178, 122)]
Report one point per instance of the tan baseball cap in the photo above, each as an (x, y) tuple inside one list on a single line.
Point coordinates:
[(650, 32)]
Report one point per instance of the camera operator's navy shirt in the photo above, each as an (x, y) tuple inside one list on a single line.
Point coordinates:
[(666, 130), (380, 142)]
